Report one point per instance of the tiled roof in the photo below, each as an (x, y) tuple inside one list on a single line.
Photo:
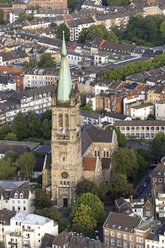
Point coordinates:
[(89, 164)]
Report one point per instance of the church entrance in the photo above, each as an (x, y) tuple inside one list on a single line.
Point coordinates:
[(65, 202)]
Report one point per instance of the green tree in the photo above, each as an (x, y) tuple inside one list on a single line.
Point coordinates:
[(1, 16), (42, 199), (125, 163), (46, 60), (83, 36), (119, 186), (84, 221), (51, 213), (72, 3), (11, 136), (46, 129), (33, 124), (47, 115), (11, 155), (4, 130), (52, 25), (158, 146), (150, 117), (26, 163), (162, 29), (19, 126), (94, 203), (63, 225), (32, 62), (121, 138), (62, 27), (7, 171), (86, 186)]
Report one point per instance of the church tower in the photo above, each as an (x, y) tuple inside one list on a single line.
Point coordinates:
[(66, 167)]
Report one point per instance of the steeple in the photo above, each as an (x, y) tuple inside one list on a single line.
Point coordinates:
[(65, 82)]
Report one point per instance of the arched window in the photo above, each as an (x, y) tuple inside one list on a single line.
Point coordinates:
[(60, 120), (107, 154), (16, 195), (66, 120)]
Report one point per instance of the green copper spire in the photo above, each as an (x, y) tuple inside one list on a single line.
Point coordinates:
[(65, 82)]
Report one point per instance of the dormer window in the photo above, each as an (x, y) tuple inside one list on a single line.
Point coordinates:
[(16, 195), (21, 195)]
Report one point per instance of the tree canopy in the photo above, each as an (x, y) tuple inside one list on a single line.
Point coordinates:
[(62, 27), (96, 31), (86, 186), (158, 146), (7, 170), (26, 163), (46, 60), (42, 199), (19, 126), (51, 213), (1, 16), (92, 201)]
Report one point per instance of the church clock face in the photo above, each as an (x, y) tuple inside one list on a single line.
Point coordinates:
[(64, 175)]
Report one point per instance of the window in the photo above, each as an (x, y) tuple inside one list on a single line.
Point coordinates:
[(106, 240), (21, 195), (112, 241), (112, 234), (15, 195), (66, 120), (106, 232), (154, 180), (119, 235), (125, 244), (139, 239), (60, 120), (124, 236), (119, 243), (131, 237)]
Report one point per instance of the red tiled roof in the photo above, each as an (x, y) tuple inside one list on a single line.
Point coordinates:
[(89, 164)]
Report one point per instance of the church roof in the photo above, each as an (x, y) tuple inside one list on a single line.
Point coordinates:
[(97, 135), (65, 82), (89, 164)]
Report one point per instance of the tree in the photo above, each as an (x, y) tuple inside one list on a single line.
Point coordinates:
[(119, 186), (72, 3), (46, 129), (125, 163), (84, 221), (26, 163), (121, 138), (32, 62), (11, 136), (158, 146), (42, 199), (62, 27), (86, 186), (94, 203), (96, 31), (11, 155), (4, 130), (53, 24), (7, 171), (23, 16), (162, 29), (47, 115), (150, 117), (46, 60), (1, 16), (51, 213), (19, 126), (33, 124)]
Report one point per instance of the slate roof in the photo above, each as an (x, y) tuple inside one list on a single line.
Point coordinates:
[(140, 123), (121, 222), (97, 135), (106, 163), (116, 115), (47, 240)]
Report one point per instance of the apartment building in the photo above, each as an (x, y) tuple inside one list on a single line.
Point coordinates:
[(142, 111), (20, 198), (36, 100), (77, 25), (140, 129), (156, 239), (55, 4), (158, 174), (160, 111), (27, 230)]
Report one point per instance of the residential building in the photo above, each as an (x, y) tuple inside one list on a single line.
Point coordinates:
[(157, 238), (18, 199), (142, 111), (13, 57), (146, 129), (158, 193), (55, 4), (27, 230), (158, 175), (160, 111)]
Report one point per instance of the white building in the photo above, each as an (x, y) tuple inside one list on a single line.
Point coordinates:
[(17, 199), (27, 230), (132, 99), (141, 129), (155, 240), (160, 111), (142, 111)]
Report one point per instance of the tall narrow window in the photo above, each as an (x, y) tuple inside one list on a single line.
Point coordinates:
[(60, 120), (66, 120)]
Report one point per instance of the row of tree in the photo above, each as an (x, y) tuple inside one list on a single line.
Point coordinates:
[(149, 30), (28, 126), (136, 67)]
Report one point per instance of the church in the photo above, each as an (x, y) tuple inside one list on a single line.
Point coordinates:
[(77, 152)]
